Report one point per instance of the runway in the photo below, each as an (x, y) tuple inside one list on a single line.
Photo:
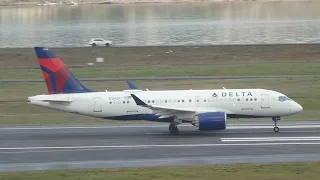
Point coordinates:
[(114, 145)]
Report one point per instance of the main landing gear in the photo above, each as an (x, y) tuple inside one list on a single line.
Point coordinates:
[(173, 129), (276, 119)]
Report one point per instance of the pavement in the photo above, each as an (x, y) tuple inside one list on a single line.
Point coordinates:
[(140, 145)]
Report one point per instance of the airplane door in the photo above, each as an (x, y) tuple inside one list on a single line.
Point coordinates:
[(97, 104), (265, 101)]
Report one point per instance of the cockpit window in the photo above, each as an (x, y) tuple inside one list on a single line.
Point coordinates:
[(284, 98)]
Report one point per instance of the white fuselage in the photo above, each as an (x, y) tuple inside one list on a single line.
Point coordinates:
[(120, 104)]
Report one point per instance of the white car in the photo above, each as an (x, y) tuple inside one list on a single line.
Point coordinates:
[(99, 42)]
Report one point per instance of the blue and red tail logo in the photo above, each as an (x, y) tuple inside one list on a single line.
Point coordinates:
[(56, 75)]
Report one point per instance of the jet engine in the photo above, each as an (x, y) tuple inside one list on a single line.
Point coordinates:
[(210, 121)]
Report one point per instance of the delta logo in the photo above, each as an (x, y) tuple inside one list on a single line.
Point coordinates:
[(233, 94), (214, 95)]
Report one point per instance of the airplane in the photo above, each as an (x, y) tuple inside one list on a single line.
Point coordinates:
[(208, 110)]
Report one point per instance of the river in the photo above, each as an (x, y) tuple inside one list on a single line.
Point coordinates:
[(161, 24)]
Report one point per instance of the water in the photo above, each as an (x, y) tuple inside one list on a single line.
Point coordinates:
[(161, 24)]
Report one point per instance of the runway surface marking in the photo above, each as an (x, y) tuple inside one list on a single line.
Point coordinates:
[(233, 132), (252, 139), (160, 145), (235, 126)]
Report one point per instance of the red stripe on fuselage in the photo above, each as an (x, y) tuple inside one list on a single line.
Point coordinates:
[(53, 64)]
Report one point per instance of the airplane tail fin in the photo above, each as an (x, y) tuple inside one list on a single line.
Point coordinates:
[(57, 76)]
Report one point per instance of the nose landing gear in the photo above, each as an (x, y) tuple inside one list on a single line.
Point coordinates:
[(276, 119)]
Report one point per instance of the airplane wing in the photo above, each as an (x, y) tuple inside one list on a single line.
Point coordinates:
[(163, 111)]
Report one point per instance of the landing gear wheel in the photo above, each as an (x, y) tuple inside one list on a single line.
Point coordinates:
[(276, 128), (173, 129)]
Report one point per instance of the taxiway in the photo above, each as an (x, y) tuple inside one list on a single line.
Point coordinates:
[(129, 145)]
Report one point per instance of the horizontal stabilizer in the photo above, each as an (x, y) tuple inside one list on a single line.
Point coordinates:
[(58, 101), (52, 99)]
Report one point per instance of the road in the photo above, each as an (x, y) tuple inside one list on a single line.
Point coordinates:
[(171, 78), (106, 146)]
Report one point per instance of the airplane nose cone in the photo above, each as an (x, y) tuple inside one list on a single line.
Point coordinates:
[(300, 108), (297, 108)]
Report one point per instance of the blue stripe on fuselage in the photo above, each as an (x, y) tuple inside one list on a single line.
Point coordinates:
[(154, 118), (146, 117)]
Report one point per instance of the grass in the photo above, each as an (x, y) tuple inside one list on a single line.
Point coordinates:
[(164, 71), (14, 109), (158, 55), (276, 171)]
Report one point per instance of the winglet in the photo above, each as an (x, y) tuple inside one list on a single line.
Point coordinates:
[(131, 85), (138, 101)]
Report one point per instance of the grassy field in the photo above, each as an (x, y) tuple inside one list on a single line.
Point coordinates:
[(15, 110), (162, 71), (284, 171), (174, 55)]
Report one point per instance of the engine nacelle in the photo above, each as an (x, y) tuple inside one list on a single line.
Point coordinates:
[(210, 121)]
